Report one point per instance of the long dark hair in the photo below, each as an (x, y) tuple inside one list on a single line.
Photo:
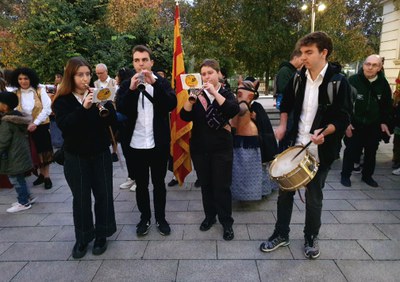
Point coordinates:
[(68, 83)]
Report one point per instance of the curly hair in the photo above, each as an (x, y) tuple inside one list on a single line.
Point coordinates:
[(30, 73)]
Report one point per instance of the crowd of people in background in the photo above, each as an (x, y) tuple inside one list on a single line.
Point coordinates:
[(231, 133)]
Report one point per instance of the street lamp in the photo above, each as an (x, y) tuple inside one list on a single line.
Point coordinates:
[(320, 7)]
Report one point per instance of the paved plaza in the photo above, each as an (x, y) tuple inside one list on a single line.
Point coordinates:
[(359, 237)]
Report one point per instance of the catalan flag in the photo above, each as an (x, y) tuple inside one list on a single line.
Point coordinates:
[(180, 130)]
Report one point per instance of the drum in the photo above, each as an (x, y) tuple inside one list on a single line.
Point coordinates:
[(292, 175)]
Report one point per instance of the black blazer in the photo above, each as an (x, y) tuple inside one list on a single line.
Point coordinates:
[(164, 102)]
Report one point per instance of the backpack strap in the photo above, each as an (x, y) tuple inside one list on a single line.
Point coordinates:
[(296, 83), (333, 86)]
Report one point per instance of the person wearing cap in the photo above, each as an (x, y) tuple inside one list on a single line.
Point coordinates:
[(15, 158), (250, 179)]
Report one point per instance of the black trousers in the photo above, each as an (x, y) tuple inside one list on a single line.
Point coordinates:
[(84, 176), (364, 137), (314, 197), (214, 170), (155, 160)]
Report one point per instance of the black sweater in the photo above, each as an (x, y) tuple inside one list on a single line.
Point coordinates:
[(84, 131)]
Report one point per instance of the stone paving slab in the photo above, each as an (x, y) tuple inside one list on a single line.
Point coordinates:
[(192, 232), (365, 217), (381, 249), (4, 247), (28, 234), (37, 251), (218, 271), (9, 269), (392, 231), (128, 232), (137, 270), (119, 250), (378, 205), (370, 271), (299, 270), (25, 218), (81, 271), (181, 250), (350, 231)]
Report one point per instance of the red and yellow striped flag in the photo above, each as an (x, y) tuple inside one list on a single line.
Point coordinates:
[(180, 130)]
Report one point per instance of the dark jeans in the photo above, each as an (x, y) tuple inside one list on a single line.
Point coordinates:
[(314, 197), (155, 160), (214, 170), (87, 174), (21, 188), (364, 137)]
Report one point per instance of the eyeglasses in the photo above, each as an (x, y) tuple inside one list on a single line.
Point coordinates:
[(83, 74), (371, 65)]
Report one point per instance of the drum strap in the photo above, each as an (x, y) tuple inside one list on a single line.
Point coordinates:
[(301, 197)]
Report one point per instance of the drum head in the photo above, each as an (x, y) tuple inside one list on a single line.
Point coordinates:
[(283, 163)]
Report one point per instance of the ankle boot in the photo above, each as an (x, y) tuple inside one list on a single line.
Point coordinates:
[(47, 183), (39, 180)]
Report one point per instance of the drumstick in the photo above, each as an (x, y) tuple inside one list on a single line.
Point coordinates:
[(308, 144)]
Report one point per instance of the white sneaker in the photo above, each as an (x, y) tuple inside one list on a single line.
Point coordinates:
[(18, 208), (133, 187), (396, 171), (32, 200), (128, 184)]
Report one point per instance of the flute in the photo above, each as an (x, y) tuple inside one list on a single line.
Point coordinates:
[(196, 92)]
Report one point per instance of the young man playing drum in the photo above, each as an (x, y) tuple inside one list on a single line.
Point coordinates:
[(307, 107)]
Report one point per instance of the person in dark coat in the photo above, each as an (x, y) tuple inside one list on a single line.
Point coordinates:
[(211, 146), (311, 111), (15, 157), (87, 165), (146, 103)]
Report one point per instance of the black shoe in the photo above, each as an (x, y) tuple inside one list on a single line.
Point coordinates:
[(142, 228), (163, 227), (228, 233), (197, 183), (47, 183), (207, 223), (370, 181), (39, 180), (79, 250), (114, 157), (345, 181), (173, 182), (99, 246)]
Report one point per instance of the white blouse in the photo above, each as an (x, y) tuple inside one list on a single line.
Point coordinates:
[(28, 102)]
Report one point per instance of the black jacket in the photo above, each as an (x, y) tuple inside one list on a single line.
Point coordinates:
[(205, 139), (164, 102), (338, 113), (85, 133)]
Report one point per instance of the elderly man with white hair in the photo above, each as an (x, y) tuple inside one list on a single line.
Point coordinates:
[(104, 80), (369, 124)]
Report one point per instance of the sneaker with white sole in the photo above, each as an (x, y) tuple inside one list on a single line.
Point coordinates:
[(396, 171), (133, 188), (274, 242), (128, 184), (18, 208), (32, 200), (311, 247)]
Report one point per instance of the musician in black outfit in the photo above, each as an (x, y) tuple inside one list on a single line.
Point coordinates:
[(311, 110), (88, 164), (211, 147), (147, 103)]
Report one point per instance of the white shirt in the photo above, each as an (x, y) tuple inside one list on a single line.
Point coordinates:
[(210, 96), (28, 102), (309, 109), (143, 134)]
